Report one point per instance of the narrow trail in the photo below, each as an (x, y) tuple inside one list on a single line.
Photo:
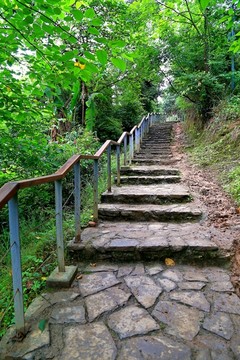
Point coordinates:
[(154, 278)]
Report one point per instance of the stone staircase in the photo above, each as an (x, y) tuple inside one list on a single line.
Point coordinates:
[(151, 215)]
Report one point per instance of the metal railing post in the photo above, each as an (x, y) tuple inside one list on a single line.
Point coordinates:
[(136, 139), (77, 202), (59, 225), (16, 264), (125, 151), (95, 191), (130, 148), (109, 183), (118, 165)]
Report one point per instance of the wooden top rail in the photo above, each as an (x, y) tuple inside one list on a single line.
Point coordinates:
[(8, 190)]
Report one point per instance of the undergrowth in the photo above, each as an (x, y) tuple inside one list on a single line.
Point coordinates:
[(217, 146), (38, 238)]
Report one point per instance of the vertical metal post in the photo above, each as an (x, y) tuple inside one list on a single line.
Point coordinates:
[(118, 165), (59, 225), (16, 263), (109, 185), (130, 148), (136, 139), (95, 190), (125, 151), (77, 204)]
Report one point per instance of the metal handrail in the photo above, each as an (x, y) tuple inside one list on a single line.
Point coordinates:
[(9, 192)]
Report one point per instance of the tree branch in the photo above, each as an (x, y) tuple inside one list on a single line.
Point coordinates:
[(25, 38)]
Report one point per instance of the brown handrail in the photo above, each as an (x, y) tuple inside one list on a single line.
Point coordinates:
[(8, 190)]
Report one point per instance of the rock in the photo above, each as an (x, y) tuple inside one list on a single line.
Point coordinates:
[(191, 285), (220, 324), (106, 300), (139, 270), (73, 314), (152, 348), (192, 298), (182, 321), (144, 289), (93, 283), (91, 341), (222, 286), (172, 274), (194, 275), (229, 303), (153, 270), (124, 270), (167, 285), (130, 321)]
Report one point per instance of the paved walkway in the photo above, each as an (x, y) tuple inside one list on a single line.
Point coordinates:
[(134, 297)]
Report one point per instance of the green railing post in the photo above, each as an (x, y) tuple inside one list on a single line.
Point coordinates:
[(77, 203), (109, 168), (95, 191), (16, 264), (59, 225)]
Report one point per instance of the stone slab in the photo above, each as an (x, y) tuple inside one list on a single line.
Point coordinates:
[(181, 321), (105, 301), (93, 283), (90, 342), (195, 299), (229, 303), (145, 290), (131, 321), (73, 314), (154, 347), (219, 324)]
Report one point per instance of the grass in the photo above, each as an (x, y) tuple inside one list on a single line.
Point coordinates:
[(38, 244), (217, 147)]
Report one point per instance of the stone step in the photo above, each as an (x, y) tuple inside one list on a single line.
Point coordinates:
[(144, 180), (148, 170), (153, 156), (143, 161), (130, 241), (149, 212), (150, 194), (154, 152)]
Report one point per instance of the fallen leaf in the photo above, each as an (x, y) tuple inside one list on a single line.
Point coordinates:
[(42, 324), (92, 223), (79, 277), (93, 265), (169, 262)]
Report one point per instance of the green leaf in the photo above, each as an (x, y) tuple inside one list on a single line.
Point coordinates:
[(93, 31), (89, 55), (69, 55), (78, 15), (42, 324), (204, 4), (101, 40), (102, 56), (117, 43), (119, 63), (90, 13), (96, 22)]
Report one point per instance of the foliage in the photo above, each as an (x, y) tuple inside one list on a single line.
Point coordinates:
[(218, 145)]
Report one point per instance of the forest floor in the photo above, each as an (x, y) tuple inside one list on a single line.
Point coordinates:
[(222, 212)]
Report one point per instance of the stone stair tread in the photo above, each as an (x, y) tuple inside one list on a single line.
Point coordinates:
[(175, 190), (149, 179), (138, 241), (149, 170), (149, 212), (154, 161)]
